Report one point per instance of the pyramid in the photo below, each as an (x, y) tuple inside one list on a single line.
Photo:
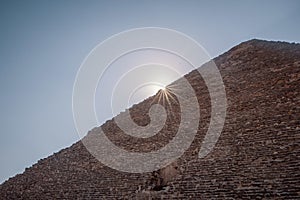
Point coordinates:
[(256, 156)]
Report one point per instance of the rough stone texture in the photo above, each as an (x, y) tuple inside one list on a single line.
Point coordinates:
[(257, 155)]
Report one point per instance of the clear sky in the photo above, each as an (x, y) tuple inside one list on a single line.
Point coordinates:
[(43, 43)]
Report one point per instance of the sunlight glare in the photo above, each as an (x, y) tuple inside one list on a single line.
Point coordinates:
[(157, 88)]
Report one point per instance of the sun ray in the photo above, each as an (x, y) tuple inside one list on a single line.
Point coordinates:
[(166, 96)]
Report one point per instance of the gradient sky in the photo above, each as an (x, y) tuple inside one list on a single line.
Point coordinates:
[(43, 43)]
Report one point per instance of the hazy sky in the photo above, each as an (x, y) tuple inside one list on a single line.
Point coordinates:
[(43, 43)]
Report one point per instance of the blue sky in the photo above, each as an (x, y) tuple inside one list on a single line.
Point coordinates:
[(43, 43)]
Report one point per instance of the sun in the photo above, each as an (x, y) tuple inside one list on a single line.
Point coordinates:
[(158, 87), (163, 88)]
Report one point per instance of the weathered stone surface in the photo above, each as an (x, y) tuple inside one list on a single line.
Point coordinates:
[(257, 154)]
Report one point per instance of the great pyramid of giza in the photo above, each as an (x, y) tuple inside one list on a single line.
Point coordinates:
[(257, 154)]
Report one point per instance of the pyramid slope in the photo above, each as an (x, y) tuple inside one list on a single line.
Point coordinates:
[(257, 154)]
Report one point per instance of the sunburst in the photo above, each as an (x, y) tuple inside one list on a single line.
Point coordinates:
[(166, 97)]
